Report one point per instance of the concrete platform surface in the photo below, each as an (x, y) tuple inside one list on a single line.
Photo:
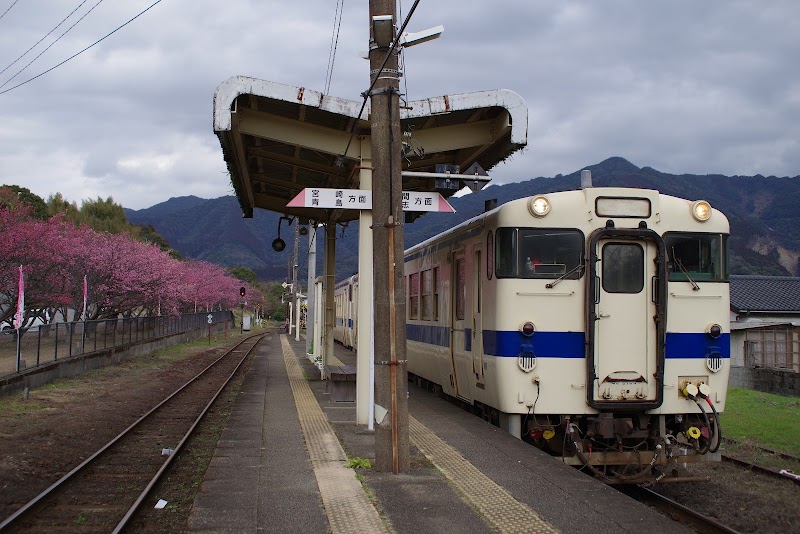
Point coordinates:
[(282, 466)]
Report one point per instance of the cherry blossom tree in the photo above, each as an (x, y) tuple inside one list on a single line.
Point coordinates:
[(125, 277), (34, 245)]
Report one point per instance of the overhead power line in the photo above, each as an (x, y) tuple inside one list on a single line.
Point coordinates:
[(9, 9), (51, 44), (45, 37), (85, 49), (337, 24)]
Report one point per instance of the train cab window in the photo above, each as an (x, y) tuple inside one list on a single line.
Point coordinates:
[(413, 296), (538, 253), (696, 257), (623, 268)]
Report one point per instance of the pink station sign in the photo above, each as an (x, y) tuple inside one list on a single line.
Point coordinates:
[(361, 199)]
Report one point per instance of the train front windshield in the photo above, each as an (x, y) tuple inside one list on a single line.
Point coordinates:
[(538, 253), (699, 257)]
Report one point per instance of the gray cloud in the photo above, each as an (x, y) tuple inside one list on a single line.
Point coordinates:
[(702, 87)]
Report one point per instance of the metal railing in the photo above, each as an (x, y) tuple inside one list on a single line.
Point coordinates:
[(57, 341)]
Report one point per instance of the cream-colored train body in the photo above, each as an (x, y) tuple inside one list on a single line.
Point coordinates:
[(592, 323), (345, 298)]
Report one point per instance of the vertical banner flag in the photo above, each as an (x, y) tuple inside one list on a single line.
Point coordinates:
[(85, 286), (18, 317)]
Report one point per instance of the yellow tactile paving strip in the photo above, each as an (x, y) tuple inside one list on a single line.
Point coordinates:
[(346, 505), (498, 508)]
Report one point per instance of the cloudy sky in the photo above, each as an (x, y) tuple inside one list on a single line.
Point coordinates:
[(681, 86)]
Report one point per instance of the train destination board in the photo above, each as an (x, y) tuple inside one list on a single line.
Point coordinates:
[(361, 199)]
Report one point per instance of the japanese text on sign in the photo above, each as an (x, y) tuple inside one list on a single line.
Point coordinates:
[(360, 199)]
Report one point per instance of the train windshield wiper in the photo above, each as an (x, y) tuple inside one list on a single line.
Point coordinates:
[(695, 287), (552, 284)]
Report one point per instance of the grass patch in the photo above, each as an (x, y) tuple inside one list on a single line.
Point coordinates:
[(15, 407), (359, 463), (763, 419)]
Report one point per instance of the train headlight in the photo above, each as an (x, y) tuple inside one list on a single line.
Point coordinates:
[(701, 210), (527, 329), (539, 206), (714, 331)]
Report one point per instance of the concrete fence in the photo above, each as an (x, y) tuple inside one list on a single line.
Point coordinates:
[(778, 381), (154, 335)]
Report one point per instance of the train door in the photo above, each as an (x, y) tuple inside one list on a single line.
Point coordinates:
[(461, 338), (626, 332), (354, 325), (477, 324)]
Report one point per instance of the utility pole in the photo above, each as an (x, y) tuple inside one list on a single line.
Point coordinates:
[(391, 375)]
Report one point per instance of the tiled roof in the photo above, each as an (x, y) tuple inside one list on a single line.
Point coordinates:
[(765, 294)]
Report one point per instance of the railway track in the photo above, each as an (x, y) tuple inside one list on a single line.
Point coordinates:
[(677, 511), (782, 474), (104, 492), (698, 521)]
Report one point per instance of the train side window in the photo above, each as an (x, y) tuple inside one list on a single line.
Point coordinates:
[(702, 256), (623, 268), (435, 294), (489, 255), (413, 298), (461, 289), (427, 295), (506, 252)]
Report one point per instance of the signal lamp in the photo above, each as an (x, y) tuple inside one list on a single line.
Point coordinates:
[(241, 291), (528, 329), (279, 244), (714, 331)]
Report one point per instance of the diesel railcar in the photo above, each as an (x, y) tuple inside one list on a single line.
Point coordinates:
[(593, 324)]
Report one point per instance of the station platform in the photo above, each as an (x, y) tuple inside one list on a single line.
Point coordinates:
[(282, 466)]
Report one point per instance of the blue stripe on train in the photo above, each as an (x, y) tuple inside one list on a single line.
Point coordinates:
[(697, 345), (542, 344), (509, 344), (428, 333)]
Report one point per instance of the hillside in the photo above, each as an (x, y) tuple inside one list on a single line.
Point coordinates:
[(764, 220)]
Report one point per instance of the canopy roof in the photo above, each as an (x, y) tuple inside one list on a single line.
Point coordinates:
[(278, 139)]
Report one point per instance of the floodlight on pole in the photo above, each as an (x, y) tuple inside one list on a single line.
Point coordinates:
[(415, 38), (382, 30)]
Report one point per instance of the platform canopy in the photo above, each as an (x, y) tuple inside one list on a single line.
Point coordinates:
[(278, 140)]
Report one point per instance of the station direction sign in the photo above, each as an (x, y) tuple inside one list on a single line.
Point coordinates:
[(361, 199)]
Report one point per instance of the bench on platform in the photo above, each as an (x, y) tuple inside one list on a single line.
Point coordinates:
[(341, 382)]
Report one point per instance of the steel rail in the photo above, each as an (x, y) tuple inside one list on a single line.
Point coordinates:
[(759, 469), (44, 494), (771, 452), (137, 504), (670, 507)]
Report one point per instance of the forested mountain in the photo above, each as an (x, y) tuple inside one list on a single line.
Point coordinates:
[(765, 220)]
